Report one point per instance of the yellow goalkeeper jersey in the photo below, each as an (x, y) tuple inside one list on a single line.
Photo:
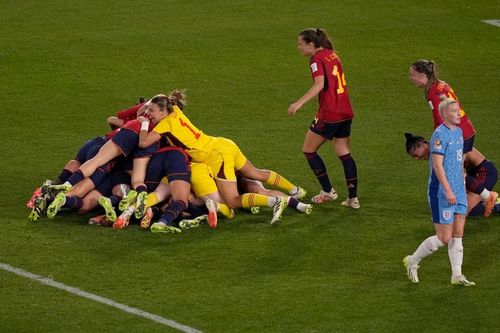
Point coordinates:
[(180, 132)]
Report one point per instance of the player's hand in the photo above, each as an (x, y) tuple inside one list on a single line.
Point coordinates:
[(293, 108), (142, 119), (450, 197)]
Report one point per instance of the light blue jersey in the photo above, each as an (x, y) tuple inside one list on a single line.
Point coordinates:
[(448, 143)]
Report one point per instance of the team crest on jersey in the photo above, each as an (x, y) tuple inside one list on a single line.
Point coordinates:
[(446, 214), (314, 67), (437, 144)]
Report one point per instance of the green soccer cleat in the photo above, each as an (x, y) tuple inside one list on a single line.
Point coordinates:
[(147, 218), (299, 193), (127, 200), (462, 281), (278, 208), (193, 223), (59, 188), (38, 208), (308, 209), (140, 205), (105, 202), (160, 227), (56, 205), (411, 271)]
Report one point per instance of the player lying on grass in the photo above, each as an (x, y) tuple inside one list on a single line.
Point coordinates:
[(480, 180), (222, 155)]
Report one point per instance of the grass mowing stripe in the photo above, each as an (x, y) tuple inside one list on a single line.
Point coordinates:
[(97, 298)]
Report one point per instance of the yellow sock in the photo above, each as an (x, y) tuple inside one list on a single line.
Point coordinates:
[(280, 182), (225, 210), (253, 200), (151, 199)]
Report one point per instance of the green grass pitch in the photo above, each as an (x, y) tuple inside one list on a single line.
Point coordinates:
[(65, 66)]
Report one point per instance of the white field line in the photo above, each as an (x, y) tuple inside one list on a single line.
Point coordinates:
[(97, 298), (493, 22)]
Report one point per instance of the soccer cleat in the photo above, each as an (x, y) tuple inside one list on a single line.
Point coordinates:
[(490, 203), (127, 200), (254, 210), (124, 219), (299, 193), (146, 219), (38, 208), (160, 227), (351, 202), (308, 209), (56, 205), (462, 280), (278, 208), (101, 220), (108, 208), (323, 197), (212, 212), (140, 204), (411, 271), (193, 223), (59, 188), (37, 193), (46, 186)]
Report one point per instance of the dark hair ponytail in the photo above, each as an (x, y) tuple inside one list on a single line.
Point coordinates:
[(318, 37), (413, 141), (427, 67)]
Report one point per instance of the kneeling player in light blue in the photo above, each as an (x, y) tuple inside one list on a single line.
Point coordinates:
[(446, 194)]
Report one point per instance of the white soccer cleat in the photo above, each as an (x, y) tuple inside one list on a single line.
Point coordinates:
[(411, 271), (351, 202), (278, 208), (462, 280), (323, 197)]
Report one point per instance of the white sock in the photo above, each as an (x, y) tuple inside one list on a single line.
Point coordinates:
[(301, 207), (426, 248), (456, 253), (485, 194)]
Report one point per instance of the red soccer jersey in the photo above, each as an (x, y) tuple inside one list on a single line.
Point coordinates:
[(334, 103), (434, 95)]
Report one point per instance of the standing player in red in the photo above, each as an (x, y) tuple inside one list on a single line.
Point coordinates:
[(423, 74), (334, 117)]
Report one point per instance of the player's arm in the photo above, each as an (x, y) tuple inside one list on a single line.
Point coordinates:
[(437, 165), (115, 122), (319, 83), (147, 139)]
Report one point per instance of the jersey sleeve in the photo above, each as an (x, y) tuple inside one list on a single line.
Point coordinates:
[(130, 113), (316, 66), (438, 144)]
